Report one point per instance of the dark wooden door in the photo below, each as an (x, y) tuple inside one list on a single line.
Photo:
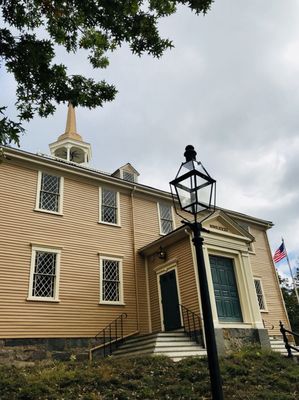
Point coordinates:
[(225, 289), (170, 301)]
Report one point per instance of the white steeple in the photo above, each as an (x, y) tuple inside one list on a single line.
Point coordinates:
[(70, 146)]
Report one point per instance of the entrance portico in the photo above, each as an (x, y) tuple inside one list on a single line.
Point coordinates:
[(235, 309)]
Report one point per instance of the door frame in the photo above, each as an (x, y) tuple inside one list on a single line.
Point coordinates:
[(162, 271), (237, 286)]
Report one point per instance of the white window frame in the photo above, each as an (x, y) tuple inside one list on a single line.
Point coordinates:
[(120, 271), (122, 171), (38, 192), (159, 217), (265, 309), (118, 222), (44, 249)]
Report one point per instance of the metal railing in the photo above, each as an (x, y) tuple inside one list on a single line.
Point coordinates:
[(288, 346), (112, 335), (192, 324)]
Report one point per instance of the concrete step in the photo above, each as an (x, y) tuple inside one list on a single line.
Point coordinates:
[(176, 345), (160, 343)]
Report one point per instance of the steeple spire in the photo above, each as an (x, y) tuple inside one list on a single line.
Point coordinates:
[(71, 120), (70, 146), (71, 128)]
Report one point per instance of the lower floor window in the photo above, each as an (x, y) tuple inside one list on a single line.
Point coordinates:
[(111, 282), (43, 277), (260, 294)]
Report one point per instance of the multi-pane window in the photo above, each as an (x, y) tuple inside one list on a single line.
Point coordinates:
[(109, 206), (128, 176), (43, 279), (49, 197), (166, 222), (111, 280), (260, 294)]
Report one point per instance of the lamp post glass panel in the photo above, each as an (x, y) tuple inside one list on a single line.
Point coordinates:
[(196, 192), (194, 187)]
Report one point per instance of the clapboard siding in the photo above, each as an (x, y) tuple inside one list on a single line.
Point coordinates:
[(262, 267), (180, 253), (81, 238)]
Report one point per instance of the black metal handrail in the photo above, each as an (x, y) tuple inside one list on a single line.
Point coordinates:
[(192, 324), (288, 346), (112, 335)]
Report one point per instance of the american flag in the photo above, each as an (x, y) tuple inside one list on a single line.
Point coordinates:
[(280, 253)]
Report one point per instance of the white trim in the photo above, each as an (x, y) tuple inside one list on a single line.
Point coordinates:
[(120, 271), (38, 191), (265, 309), (121, 175), (240, 283), (45, 249), (251, 247), (159, 217), (148, 297), (118, 219), (165, 268), (45, 246)]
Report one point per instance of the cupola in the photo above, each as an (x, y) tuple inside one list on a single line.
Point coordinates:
[(70, 146)]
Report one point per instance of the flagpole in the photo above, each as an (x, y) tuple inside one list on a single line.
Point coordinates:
[(294, 283)]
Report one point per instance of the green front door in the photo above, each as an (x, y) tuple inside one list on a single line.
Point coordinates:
[(170, 301), (225, 289)]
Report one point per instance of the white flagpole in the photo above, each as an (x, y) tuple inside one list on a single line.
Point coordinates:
[(294, 283)]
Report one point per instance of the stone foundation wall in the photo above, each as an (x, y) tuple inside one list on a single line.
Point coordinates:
[(29, 351), (230, 339)]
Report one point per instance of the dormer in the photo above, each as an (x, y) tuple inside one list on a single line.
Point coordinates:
[(127, 172), (70, 146)]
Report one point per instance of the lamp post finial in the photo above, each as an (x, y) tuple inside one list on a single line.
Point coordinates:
[(190, 153)]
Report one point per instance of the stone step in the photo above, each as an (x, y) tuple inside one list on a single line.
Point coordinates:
[(165, 349), (156, 340), (158, 343), (175, 345), (175, 354)]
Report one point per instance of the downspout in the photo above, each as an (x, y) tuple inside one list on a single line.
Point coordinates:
[(135, 257)]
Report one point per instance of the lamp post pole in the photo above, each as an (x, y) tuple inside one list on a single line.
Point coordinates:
[(196, 191), (215, 376)]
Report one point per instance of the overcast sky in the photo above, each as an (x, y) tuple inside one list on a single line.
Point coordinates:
[(230, 87)]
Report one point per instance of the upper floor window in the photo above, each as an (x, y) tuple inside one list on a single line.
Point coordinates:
[(128, 176), (260, 294), (44, 274), (165, 218), (49, 196), (111, 280), (109, 206)]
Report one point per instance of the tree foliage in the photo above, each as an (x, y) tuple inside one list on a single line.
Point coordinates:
[(33, 28), (291, 301)]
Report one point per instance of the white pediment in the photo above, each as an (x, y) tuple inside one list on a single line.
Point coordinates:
[(221, 223)]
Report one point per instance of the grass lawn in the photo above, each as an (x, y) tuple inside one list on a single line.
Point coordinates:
[(249, 374)]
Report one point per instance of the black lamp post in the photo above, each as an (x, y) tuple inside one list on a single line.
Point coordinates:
[(196, 191)]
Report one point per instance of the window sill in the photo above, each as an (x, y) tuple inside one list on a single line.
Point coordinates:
[(111, 303), (109, 224), (48, 212), (43, 299)]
